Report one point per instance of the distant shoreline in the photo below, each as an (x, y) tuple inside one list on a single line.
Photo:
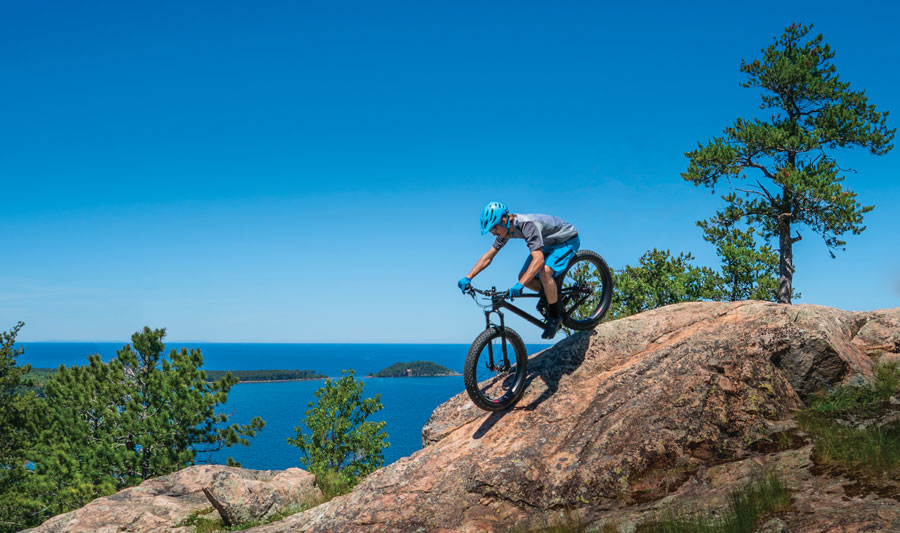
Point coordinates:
[(280, 380), (455, 374)]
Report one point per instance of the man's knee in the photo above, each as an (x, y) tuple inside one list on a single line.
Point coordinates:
[(546, 273)]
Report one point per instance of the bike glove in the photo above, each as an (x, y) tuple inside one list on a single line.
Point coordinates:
[(463, 284), (516, 290)]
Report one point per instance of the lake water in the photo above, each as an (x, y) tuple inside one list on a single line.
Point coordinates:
[(408, 402)]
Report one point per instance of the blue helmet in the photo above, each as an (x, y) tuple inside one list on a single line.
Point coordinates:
[(491, 216)]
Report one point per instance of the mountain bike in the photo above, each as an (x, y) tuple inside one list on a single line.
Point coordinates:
[(494, 377)]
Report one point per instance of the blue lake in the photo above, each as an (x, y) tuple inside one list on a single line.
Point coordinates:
[(408, 402)]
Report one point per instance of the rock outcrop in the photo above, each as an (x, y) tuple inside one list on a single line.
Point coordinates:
[(163, 504), (672, 405), (240, 499)]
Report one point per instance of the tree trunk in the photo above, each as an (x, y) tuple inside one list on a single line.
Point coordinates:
[(786, 261)]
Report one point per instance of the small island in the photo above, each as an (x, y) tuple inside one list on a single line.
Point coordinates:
[(417, 369)]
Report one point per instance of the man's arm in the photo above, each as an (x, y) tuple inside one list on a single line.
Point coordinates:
[(484, 262)]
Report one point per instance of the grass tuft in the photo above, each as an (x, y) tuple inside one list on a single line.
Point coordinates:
[(747, 506), (332, 484), (202, 524), (847, 399)]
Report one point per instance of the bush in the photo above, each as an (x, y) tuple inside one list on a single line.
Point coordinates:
[(341, 446)]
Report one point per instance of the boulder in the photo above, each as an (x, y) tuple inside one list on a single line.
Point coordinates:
[(619, 420), (164, 503), (879, 333), (241, 500)]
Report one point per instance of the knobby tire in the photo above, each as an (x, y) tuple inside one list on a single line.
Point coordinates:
[(498, 391), (597, 304)]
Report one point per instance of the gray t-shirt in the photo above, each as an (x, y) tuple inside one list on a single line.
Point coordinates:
[(538, 231)]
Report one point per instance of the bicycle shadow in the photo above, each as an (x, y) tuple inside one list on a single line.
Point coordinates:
[(550, 366), (490, 422)]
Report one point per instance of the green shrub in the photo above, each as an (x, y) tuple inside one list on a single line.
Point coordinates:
[(341, 447)]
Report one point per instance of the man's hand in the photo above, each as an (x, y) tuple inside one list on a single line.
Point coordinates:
[(463, 284), (516, 290)]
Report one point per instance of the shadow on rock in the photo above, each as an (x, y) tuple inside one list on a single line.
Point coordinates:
[(550, 366), (553, 364), (488, 423)]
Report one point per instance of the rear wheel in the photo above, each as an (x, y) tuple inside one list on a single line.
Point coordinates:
[(496, 380), (585, 290)]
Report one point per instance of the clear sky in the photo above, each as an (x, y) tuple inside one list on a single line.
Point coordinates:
[(314, 171)]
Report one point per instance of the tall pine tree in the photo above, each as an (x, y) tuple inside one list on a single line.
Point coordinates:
[(792, 152)]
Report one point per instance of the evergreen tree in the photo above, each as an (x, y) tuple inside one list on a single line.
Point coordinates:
[(341, 442), (661, 279), (78, 456), (793, 151), (17, 509), (107, 426)]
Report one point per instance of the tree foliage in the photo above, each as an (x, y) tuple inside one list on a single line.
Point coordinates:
[(791, 152), (749, 271), (661, 279), (340, 441), (106, 426), (17, 508)]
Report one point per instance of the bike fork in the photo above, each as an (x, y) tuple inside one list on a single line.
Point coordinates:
[(487, 319)]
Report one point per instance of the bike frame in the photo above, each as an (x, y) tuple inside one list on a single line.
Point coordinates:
[(498, 302)]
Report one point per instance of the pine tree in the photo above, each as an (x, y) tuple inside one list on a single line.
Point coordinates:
[(107, 426), (17, 509), (793, 151)]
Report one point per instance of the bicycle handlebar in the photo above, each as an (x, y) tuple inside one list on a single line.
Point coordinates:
[(493, 292)]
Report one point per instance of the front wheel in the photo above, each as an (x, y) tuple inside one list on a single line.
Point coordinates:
[(495, 370), (585, 291)]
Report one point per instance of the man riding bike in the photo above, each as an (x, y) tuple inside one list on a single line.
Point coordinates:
[(551, 241)]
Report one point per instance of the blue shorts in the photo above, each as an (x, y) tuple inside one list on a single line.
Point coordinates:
[(556, 256)]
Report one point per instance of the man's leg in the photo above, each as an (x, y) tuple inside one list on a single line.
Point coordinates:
[(534, 284), (549, 284), (553, 311)]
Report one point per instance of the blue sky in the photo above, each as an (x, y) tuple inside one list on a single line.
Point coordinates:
[(314, 172)]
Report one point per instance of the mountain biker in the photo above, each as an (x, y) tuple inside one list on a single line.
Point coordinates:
[(551, 241)]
